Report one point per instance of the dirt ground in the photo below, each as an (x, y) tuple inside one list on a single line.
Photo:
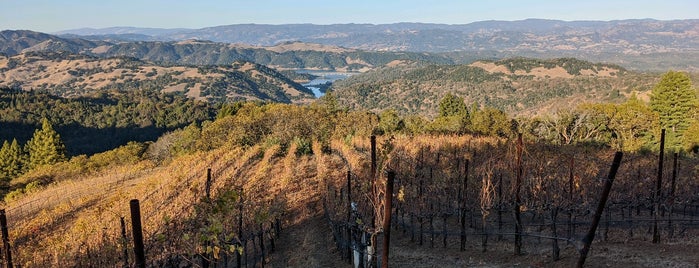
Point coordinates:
[(310, 244), (307, 241)]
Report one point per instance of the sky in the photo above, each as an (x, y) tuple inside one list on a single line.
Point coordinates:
[(56, 15)]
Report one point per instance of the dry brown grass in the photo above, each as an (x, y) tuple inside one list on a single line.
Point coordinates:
[(85, 73), (82, 228)]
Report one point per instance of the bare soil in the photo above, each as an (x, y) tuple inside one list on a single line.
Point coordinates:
[(310, 244)]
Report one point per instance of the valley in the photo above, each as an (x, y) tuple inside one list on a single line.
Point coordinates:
[(488, 144)]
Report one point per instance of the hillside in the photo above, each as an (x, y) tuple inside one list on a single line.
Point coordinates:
[(77, 222), (517, 86), (70, 75), (101, 121), (637, 44), (648, 45), (14, 42), (626, 36), (289, 55), (284, 55)]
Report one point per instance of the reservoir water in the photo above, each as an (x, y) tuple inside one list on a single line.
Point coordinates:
[(322, 78)]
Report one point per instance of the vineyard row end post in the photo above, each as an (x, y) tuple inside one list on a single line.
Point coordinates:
[(137, 230), (387, 218), (5, 239), (587, 241)]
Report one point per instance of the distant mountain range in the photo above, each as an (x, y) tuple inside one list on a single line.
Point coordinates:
[(635, 44), (287, 55), (623, 36)]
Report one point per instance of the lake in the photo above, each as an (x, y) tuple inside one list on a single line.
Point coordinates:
[(322, 78)]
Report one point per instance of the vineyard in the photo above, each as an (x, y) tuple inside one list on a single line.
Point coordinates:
[(450, 193), (266, 205), (189, 216)]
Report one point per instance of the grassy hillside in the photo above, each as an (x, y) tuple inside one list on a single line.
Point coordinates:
[(71, 75), (76, 222), (517, 86)]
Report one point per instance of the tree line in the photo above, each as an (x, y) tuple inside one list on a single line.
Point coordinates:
[(101, 121), (629, 126), (632, 125), (44, 148)]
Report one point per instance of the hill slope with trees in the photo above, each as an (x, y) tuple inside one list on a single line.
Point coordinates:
[(284, 55), (517, 85), (71, 75), (98, 121)]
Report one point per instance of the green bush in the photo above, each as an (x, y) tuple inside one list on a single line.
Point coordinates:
[(304, 146)]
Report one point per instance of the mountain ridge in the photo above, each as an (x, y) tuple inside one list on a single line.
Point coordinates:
[(270, 34), (641, 44), (284, 55), (70, 75)]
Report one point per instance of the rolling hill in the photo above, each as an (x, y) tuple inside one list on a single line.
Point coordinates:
[(71, 75), (285, 55), (644, 44), (626, 36), (518, 85), (647, 45), (15, 42)]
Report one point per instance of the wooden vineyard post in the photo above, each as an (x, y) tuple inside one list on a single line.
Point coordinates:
[(207, 190), (272, 246), (137, 231), (374, 197), (500, 207), (430, 219), (124, 241), (373, 158), (554, 241), (420, 217), (463, 206), (444, 229), (387, 218), (254, 249), (208, 184), (675, 170), (518, 184), (5, 239), (671, 229), (349, 216), (658, 188), (238, 255), (571, 178), (587, 241), (262, 245)]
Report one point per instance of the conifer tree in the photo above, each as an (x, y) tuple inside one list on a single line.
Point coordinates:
[(13, 160), (453, 115), (4, 160), (45, 147), (452, 105), (675, 102)]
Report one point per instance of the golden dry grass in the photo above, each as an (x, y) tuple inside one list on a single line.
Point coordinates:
[(80, 224)]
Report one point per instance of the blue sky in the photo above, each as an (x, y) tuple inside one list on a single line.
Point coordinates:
[(56, 15)]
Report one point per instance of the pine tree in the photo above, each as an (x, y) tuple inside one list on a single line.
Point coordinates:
[(45, 147), (13, 160), (675, 102), (4, 160), (453, 115), (452, 105)]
